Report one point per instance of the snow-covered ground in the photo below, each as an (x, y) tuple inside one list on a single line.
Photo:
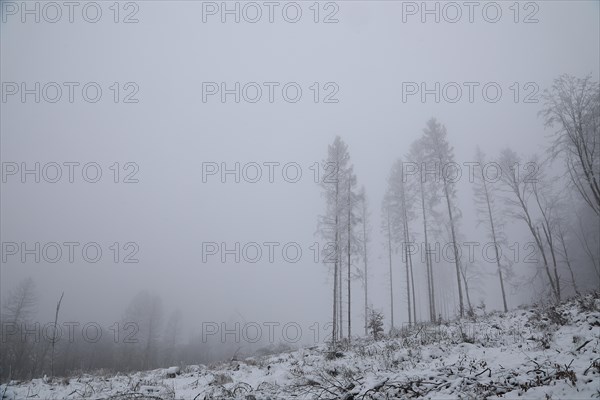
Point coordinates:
[(535, 353)]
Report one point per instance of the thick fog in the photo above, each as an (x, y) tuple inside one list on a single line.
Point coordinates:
[(178, 144)]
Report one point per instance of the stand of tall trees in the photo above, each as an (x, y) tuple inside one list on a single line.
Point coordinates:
[(439, 157), (422, 190), (338, 226), (398, 209), (426, 200)]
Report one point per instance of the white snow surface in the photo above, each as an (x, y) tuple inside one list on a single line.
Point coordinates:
[(541, 352)]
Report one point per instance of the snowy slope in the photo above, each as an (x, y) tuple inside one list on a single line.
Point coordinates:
[(537, 353)]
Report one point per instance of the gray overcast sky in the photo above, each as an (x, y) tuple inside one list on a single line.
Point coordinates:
[(170, 132)]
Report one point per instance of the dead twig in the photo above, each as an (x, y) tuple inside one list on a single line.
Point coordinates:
[(583, 345)]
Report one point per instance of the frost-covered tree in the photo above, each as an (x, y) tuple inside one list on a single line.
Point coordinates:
[(351, 240), (548, 205), (376, 323), (337, 170), (400, 200), (426, 199), (524, 185), (439, 156), (573, 105)]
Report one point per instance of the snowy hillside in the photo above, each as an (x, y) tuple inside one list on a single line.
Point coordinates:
[(543, 352)]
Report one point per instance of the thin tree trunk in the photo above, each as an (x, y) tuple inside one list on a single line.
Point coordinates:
[(489, 207), (349, 268), (334, 327), (500, 274), (538, 239), (340, 297), (365, 259), (456, 260), (535, 233), (54, 335), (429, 289), (550, 241), (407, 260), (390, 260), (464, 276), (412, 284), (335, 271), (561, 236), (407, 283), (431, 277), (548, 235)]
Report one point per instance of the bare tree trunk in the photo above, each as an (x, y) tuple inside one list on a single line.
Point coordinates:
[(334, 325), (456, 260), (500, 274), (546, 227), (365, 259), (489, 208), (412, 284), (464, 276), (335, 278), (407, 256), (538, 240), (54, 335), (427, 259), (561, 236), (431, 277), (550, 241), (390, 260), (340, 297), (349, 267), (407, 283), (536, 236)]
